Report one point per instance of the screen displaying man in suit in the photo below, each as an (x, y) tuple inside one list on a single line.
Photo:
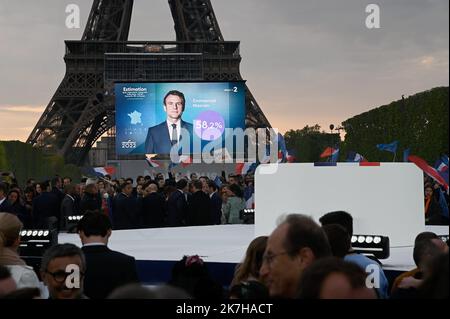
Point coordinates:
[(162, 137)]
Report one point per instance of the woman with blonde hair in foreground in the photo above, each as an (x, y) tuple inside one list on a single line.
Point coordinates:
[(23, 275)]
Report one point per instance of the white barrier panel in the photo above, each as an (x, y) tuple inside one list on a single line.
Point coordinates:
[(384, 200)]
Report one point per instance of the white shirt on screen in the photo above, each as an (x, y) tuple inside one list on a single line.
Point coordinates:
[(169, 126)]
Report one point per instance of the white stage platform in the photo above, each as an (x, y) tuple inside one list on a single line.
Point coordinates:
[(216, 244)]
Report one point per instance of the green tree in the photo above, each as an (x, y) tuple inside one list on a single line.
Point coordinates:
[(419, 122), (309, 142), (26, 161)]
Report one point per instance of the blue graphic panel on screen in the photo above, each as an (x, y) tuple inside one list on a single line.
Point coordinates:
[(141, 116)]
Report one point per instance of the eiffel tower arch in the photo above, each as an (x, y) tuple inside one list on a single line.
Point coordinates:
[(82, 108)]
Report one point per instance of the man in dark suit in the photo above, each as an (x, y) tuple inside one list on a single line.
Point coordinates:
[(216, 203), (68, 207), (199, 206), (153, 208), (46, 208), (162, 137), (177, 207), (4, 204), (125, 212), (106, 269)]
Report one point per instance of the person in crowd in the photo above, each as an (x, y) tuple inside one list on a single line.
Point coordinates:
[(68, 205), (334, 278), (125, 214), (216, 203), (426, 247), (193, 177), (91, 199), (248, 270), (168, 191), (161, 184), (59, 262), (46, 208), (140, 180), (199, 209), (223, 192), (339, 239), (30, 182), (234, 205), (177, 207), (38, 189), (435, 285), (23, 275), (29, 194), (204, 180), (233, 179), (57, 184), (346, 221), (413, 273), (106, 269), (249, 188), (293, 246), (192, 275), (4, 204), (66, 181), (139, 190), (433, 212), (7, 282), (17, 208), (153, 208)]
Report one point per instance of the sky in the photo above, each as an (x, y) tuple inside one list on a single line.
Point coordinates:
[(305, 61)]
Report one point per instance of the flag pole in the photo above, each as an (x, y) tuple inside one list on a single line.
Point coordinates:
[(395, 154)]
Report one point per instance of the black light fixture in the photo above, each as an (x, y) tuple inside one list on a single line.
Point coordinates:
[(34, 242), (247, 215), (72, 222), (375, 245)]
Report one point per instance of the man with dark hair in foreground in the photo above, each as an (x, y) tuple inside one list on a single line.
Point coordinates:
[(106, 269)]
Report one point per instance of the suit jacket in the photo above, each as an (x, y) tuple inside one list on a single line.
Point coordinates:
[(153, 211), (199, 209), (125, 213), (158, 138), (67, 209), (216, 209), (90, 202), (5, 206), (106, 270), (176, 209), (45, 206)]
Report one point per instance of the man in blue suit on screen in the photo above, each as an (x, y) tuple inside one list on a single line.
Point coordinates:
[(162, 137)]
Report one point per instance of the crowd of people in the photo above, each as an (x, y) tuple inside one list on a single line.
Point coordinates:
[(147, 203), (300, 259)]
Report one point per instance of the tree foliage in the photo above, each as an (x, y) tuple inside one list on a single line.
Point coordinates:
[(28, 162), (309, 142), (419, 122)]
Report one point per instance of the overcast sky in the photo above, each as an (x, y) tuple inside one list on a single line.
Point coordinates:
[(305, 61)]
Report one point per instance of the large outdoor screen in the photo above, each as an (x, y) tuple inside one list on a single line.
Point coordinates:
[(150, 116)]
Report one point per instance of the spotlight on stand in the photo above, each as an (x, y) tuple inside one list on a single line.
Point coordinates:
[(247, 215), (33, 244), (375, 245), (72, 222)]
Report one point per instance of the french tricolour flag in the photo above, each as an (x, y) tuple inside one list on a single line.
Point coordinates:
[(429, 170), (244, 168), (107, 170)]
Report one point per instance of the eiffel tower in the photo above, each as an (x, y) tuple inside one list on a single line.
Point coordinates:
[(82, 108)]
